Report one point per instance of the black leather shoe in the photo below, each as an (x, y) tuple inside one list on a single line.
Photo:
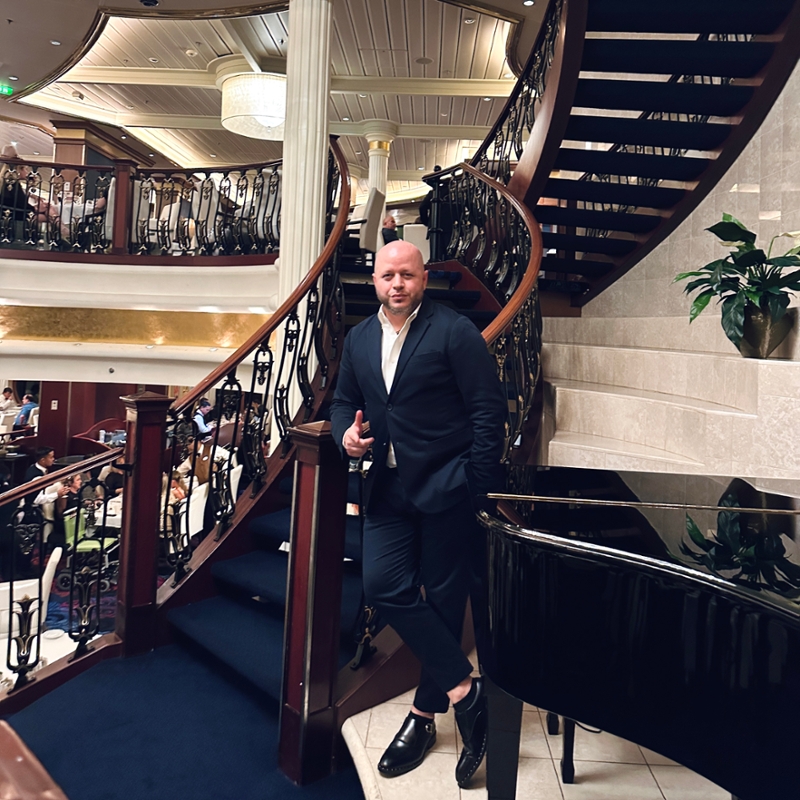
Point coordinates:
[(408, 748), (472, 725)]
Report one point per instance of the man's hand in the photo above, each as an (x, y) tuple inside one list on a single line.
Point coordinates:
[(354, 445), (63, 490)]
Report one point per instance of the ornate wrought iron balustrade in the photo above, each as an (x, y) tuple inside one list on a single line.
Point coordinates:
[(63, 535), (208, 211), (504, 145), (498, 240), (277, 379), (58, 207)]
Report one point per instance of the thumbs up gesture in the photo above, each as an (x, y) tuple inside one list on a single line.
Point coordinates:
[(354, 445)]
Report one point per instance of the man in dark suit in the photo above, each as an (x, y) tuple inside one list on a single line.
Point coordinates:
[(421, 375)]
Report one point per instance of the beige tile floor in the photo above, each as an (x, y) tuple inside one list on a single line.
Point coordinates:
[(606, 767)]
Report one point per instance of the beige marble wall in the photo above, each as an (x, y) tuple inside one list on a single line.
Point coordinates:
[(636, 337)]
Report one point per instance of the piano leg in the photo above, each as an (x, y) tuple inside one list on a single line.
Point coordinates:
[(567, 764), (502, 747), (552, 723)]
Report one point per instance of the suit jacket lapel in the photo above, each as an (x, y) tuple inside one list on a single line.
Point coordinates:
[(374, 340), (415, 333)]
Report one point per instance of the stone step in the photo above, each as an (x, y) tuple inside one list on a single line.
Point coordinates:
[(669, 426), (705, 377)]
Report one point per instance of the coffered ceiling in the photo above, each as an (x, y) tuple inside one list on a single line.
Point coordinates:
[(438, 70)]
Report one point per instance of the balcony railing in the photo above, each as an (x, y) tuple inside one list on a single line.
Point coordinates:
[(122, 210)]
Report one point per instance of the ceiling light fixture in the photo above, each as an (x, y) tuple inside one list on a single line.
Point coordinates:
[(13, 78), (55, 43), (129, 107), (358, 152), (528, 2), (124, 136), (153, 60), (254, 105), (486, 99), (212, 155), (345, 119), (36, 152), (149, 3), (509, 75), (469, 21), (152, 155), (420, 167), (444, 113), (191, 53), (362, 95)]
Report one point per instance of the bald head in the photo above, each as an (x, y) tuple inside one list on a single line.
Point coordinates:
[(400, 279)]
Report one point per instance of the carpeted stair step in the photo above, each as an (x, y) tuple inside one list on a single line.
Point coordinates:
[(687, 16), (676, 57), (598, 220), (263, 574), (647, 132), (644, 165), (243, 637), (272, 530), (716, 100), (618, 193)]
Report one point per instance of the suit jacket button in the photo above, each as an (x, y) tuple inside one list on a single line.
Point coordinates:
[(389, 407)]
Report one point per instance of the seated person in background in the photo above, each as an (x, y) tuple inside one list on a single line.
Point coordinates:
[(389, 230), (7, 400), (204, 429), (45, 458), (21, 420), (112, 479)]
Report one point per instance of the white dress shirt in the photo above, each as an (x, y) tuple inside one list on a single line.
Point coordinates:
[(391, 345), (6, 404)]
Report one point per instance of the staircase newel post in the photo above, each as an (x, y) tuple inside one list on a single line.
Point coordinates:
[(138, 563), (308, 730)]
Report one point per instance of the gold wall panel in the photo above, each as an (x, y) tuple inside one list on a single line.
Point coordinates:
[(124, 326)]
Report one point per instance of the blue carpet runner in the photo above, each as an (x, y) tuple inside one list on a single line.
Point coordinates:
[(164, 726)]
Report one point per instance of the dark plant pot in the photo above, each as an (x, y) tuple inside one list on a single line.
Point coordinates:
[(761, 335)]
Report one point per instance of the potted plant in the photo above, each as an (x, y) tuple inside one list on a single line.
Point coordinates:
[(753, 288)]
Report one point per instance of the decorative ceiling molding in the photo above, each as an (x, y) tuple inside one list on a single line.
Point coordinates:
[(104, 13), (340, 84)]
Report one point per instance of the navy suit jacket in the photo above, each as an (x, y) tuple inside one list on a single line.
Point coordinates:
[(445, 413)]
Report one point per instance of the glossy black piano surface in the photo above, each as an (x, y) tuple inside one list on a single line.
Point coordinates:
[(675, 628)]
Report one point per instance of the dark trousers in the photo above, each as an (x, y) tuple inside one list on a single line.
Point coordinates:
[(405, 549)]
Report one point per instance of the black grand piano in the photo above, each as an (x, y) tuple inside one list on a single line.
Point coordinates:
[(661, 608)]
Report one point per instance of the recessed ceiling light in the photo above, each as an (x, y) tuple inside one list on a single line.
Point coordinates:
[(149, 346), (153, 60), (362, 95), (213, 349), (358, 152), (345, 119), (509, 75), (55, 43), (36, 152), (528, 2), (124, 136), (444, 113), (152, 155), (213, 155), (469, 21), (486, 99), (191, 53), (14, 144), (129, 106), (420, 167), (424, 60), (13, 78)]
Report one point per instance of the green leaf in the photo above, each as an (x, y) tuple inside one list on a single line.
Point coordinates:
[(732, 232), (731, 218), (777, 305), (696, 284), (699, 304), (750, 258), (785, 261), (733, 318), (788, 280), (684, 275)]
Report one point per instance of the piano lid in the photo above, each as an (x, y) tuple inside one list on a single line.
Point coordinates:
[(744, 530)]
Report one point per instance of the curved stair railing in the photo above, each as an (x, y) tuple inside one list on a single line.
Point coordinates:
[(278, 378)]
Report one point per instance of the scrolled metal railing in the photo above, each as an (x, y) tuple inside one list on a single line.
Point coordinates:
[(207, 211), (506, 141), (497, 238), (56, 207), (224, 433), (64, 535)]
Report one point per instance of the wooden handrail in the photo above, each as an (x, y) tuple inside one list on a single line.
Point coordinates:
[(35, 486), (275, 321)]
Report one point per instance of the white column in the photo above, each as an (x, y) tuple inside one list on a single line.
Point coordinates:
[(305, 157), (379, 133), (305, 144)]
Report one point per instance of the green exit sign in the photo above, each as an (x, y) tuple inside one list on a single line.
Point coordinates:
[(6, 90)]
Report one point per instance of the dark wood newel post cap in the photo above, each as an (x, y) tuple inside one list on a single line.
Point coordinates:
[(144, 400), (314, 443)]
